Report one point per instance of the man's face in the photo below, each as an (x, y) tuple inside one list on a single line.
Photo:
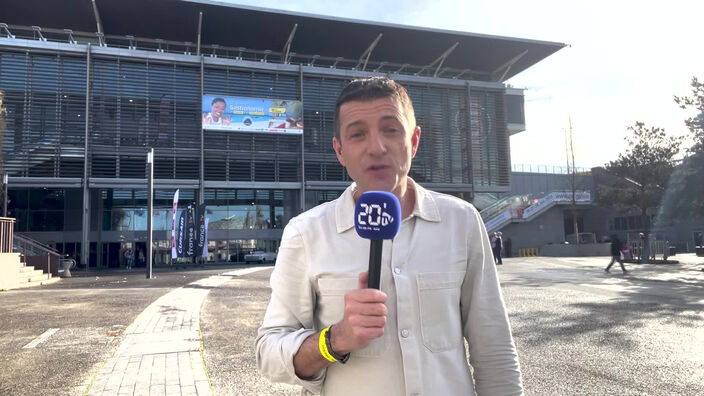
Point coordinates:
[(376, 144), (216, 109)]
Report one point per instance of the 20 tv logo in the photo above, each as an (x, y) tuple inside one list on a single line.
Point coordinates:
[(373, 215)]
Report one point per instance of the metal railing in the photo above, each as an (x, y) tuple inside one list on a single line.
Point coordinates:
[(7, 226), (512, 202), (549, 169), (30, 247)]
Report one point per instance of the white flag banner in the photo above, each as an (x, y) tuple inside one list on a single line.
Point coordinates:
[(205, 237), (173, 226)]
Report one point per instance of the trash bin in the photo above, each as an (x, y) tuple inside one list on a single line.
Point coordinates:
[(672, 251), (66, 265)]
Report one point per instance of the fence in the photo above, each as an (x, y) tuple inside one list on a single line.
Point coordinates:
[(7, 226)]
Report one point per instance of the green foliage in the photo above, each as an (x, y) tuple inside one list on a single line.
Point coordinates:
[(644, 168), (684, 198), (695, 124)]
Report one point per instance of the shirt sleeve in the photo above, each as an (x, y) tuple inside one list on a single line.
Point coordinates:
[(289, 317), (492, 352)]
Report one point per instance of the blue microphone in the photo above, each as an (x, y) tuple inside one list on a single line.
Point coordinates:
[(377, 216)]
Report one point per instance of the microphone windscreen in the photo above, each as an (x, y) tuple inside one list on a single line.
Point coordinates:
[(377, 215)]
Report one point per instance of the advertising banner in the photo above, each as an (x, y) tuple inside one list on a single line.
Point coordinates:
[(205, 238), (202, 241), (190, 232), (174, 254), (180, 239), (227, 113)]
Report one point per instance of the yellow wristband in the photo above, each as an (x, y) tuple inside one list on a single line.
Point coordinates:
[(323, 347)]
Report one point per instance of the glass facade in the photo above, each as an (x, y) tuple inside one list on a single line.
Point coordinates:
[(252, 181)]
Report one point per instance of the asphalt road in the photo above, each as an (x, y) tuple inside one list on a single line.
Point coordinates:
[(89, 311), (578, 330)]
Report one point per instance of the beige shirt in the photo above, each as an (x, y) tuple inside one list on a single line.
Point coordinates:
[(442, 288)]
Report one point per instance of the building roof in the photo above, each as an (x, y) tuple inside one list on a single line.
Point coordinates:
[(483, 57)]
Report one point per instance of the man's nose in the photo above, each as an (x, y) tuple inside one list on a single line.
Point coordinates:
[(376, 142)]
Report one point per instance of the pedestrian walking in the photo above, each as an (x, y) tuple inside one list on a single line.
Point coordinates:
[(129, 258), (496, 246), (615, 254)]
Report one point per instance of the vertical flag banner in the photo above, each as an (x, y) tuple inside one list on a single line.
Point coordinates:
[(181, 234), (174, 254), (205, 238), (190, 232), (202, 241)]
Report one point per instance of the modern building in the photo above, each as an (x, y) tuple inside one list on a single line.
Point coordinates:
[(89, 86), (537, 215)]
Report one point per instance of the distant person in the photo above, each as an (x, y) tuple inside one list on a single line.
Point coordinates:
[(615, 254), (140, 259), (215, 117), (129, 258), (496, 246)]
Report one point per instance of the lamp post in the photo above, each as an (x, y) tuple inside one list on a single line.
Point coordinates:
[(150, 208)]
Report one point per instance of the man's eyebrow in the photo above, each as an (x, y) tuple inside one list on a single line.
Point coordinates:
[(354, 123)]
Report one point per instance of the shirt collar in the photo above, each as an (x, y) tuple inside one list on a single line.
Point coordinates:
[(425, 207)]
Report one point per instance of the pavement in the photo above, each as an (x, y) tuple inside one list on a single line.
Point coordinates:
[(162, 351)]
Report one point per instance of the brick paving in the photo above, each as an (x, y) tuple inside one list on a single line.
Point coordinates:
[(160, 353)]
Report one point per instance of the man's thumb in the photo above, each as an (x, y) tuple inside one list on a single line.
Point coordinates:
[(363, 280)]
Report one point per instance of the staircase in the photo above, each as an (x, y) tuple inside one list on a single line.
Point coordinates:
[(16, 252), (524, 208)]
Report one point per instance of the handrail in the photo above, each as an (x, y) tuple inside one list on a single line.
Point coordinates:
[(7, 226), (23, 241), (512, 202)]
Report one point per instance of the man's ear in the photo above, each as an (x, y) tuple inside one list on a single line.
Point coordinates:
[(337, 146), (415, 140)]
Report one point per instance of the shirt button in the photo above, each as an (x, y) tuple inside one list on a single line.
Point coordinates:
[(404, 333), (397, 270)]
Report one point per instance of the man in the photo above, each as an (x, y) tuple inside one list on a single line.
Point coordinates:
[(615, 254), (326, 331), (497, 245)]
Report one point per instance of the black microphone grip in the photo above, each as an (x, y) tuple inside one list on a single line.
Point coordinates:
[(375, 248)]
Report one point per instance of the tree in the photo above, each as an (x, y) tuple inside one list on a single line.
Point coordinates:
[(683, 197), (695, 124), (645, 169), (572, 173)]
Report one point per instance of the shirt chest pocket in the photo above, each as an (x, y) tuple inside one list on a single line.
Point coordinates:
[(331, 309), (439, 301)]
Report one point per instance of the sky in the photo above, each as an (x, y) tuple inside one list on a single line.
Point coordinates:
[(624, 62)]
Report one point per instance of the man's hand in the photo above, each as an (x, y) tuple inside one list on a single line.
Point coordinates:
[(364, 320)]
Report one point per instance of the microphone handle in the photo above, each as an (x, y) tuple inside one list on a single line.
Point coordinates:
[(375, 248)]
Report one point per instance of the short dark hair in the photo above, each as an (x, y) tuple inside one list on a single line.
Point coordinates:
[(217, 100), (372, 88)]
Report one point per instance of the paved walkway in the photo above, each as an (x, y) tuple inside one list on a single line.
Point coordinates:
[(161, 351)]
